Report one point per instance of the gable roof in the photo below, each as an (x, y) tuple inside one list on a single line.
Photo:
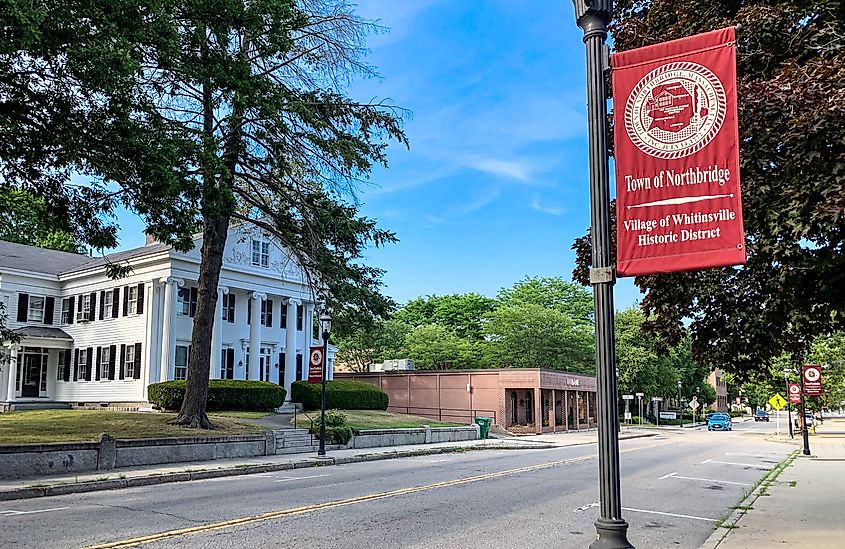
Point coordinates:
[(119, 257), (38, 260)]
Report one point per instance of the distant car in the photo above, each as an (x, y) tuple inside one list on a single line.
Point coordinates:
[(719, 422), (761, 415)]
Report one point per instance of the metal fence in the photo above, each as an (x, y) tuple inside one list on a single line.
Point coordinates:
[(448, 415)]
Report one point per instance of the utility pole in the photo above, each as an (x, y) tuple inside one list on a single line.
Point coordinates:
[(593, 17)]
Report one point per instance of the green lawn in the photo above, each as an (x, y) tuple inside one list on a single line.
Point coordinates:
[(39, 426), (371, 419), (241, 414)]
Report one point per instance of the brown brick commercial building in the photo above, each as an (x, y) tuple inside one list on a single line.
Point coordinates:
[(522, 400)]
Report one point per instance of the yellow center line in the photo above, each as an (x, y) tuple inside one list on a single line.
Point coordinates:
[(214, 526)]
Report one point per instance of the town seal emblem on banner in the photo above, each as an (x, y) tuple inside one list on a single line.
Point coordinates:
[(675, 110)]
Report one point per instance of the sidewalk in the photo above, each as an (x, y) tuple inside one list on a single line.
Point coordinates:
[(11, 489), (802, 507)]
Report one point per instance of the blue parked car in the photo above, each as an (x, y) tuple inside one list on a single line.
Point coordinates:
[(719, 422)]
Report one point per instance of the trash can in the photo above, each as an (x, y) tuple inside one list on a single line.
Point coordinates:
[(484, 424)]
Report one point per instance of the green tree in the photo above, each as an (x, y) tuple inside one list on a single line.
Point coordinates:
[(461, 313), (226, 111), (791, 60), (829, 351), (532, 336), (563, 296), (374, 343), (25, 219), (641, 370), (435, 347)]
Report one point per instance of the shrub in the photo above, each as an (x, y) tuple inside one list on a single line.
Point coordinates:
[(735, 414), (343, 395), (223, 394), (334, 418)]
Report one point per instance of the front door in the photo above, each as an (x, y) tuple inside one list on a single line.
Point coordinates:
[(31, 375)]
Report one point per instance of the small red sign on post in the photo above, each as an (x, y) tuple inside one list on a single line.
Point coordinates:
[(315, 365), (678, 202), (812, 380), (794, 393)]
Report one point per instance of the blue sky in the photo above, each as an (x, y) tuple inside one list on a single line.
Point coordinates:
[(494, 186)]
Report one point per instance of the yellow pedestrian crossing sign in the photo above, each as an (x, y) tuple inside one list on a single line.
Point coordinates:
[(777, 401)]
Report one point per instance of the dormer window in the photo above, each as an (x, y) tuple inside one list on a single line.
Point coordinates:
[(260, 253)]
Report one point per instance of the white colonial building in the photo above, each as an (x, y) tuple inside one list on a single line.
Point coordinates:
[(89, 339)]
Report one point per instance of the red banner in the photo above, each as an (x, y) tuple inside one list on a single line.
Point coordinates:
[(315, 365), (678, 204), (794, 393), (812, 380)]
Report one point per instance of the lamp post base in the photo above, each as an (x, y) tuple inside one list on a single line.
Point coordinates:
[(612, 534)]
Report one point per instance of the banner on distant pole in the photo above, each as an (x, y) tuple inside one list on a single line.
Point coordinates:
[(678, 205), (315, 365)]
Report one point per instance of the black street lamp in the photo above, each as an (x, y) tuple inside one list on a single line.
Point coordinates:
[(679, 393), (788, 401), (593, 17), (325, 330), (806, 430)]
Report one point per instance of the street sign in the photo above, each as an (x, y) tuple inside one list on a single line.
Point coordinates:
[(812, 380), (794, 393), (657, 399), (641, 395), (694, 404), (627, 397), (627, 416), (315, 365), (777, 401)]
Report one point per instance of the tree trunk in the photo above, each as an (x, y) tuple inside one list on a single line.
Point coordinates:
[(192, 414)]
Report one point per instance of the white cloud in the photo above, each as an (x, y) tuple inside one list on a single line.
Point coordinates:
[(502, 168), (551, 210)]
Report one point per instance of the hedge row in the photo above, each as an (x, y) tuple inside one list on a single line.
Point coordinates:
[(341, 395), (223, 394)]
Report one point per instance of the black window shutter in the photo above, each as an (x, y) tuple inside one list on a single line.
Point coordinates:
[(284, 320), (49, 306), (90, 358), (79, 304), (269, 313), (300, 312), (92, 314), (230, 362), (115, 302), (102, 304), (125, 300), (97, 364), (72, 309), (122, 360), (112, 353), (194, 296), (299, 367), (248, 309), (23, 307), (67, 365), (137, 361), (281, 368), (140, 306), (76, 364), (231, 308)]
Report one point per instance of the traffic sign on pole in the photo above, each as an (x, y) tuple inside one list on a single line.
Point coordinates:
[(627, 397), (777, 401)]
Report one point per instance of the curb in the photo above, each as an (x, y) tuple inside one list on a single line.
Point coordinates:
[(186, 476), (720, 533)]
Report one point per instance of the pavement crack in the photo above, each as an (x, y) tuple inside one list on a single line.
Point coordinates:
[(153, 511)]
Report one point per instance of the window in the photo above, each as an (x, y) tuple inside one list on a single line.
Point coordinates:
[(260, 253), (35, 312), (83, 312), (82, 365), (300, 311), (229, 307), (105, 357), (186, 302), (129, 362), (108, 304), (132, 300), (67, 310), (60, 371), (264, 364), (267, 313), (181, 362)]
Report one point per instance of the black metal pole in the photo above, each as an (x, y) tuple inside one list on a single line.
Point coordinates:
[(322, 450), (593, 19), (788, 405), (803, 416)]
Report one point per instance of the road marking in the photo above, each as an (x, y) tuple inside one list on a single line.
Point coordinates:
[(759, 455), (676, 475), (288, 479), (596, 504), (669, 514), (13, 513), (755, 465), (264, 517)]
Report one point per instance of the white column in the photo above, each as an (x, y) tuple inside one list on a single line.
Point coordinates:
[(149, 332), (217, 334), (168, 342), (13, 372), (290, 345), (330, 371), (255, 335)]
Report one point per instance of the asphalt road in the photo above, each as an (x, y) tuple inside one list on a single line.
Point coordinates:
[(675, 488)]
